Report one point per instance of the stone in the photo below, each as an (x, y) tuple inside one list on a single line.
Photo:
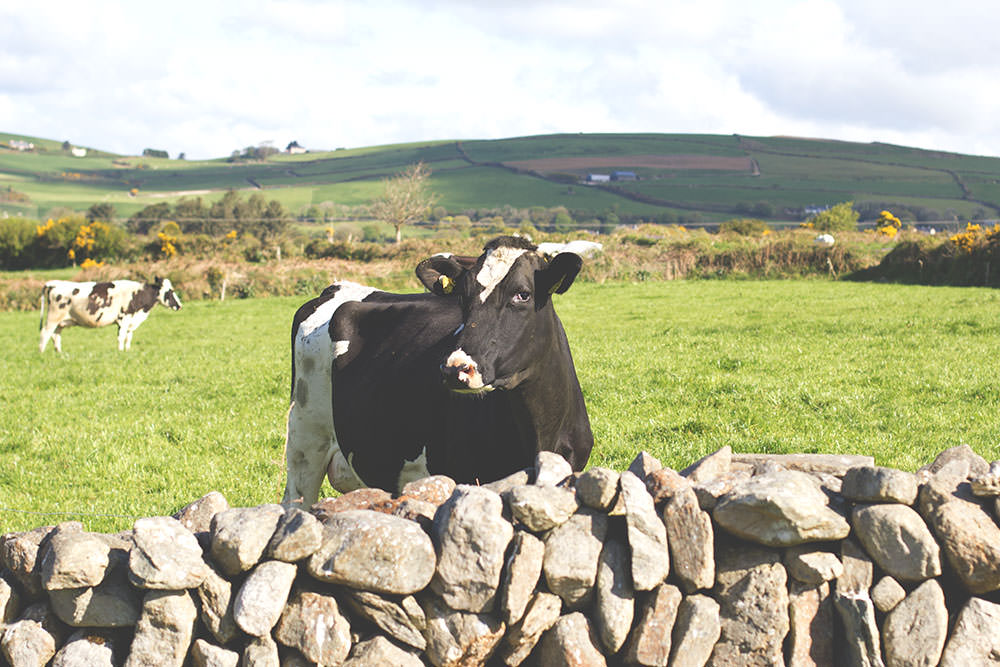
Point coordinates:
[(886, 594), (10, 598), (551, 468), (33, 638), (780, 509), (643, 464), (646, 534), (960, 461), (832, 464), (858, 568), (388, 615), (520, 575), (261, 599), (419, 511), (434, 489), (570, 641), (471, 537), (313, 625), (166, 555), (376, 552), (750, 587), (968, 535), (85, 648), (975, 639), (710, 491), (204, 654), (650, 641), (664, 483), (861, 637), (163, 633), (240, 535), (898, 540), (541, 614), (380, 652), (719, 462), (987, 485), (297, 536), (216, 596), (113, 603), (597, 488), (197, 516), (457, 637), (519, 478), (696, 630), (261, 652), (571, 554), (73, 559), (810, 625), (691, 539), (541, 508), (19, 553), (359, 499), (614, 606), (914, 632), (875, 484), (811, 566)]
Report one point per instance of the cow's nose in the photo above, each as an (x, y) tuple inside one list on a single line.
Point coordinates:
[(451, 375)]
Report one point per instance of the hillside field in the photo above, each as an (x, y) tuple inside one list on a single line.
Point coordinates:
[(677, 368)]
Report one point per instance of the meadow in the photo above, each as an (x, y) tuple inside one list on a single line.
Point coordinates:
[(676, 368)]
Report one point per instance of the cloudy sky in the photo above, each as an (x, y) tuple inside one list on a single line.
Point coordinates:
[(208, 77)]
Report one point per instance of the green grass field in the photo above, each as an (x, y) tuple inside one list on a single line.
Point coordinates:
[(676, 368)]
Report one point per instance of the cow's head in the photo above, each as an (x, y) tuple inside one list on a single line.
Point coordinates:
[(165, 294), (508, 322)]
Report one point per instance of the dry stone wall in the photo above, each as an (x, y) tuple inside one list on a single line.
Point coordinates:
[(737, 560)]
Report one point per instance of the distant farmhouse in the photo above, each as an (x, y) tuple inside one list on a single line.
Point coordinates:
[(624, 176), (294, 148), (21, 145), (598, 178), (76, 151)]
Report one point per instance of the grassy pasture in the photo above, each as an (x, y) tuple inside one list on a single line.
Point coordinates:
[(676, 368)]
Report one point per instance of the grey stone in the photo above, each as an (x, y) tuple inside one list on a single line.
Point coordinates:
[(471, 537), (374, 552), (709, 492), (419, 511), (519, 478), (359, 499), (551, 468), (858, 568), (716, 464), (987, 485), (750, 586), (85, 648), (33, 638), (260, 652), (414, 612), (163, 634), (541, 508), (696, 630), (520, 575), (812, 566), (166, 555), (110, 604), (898, 540), (73, 559), (886, 594), (434, 489), (643, 464), (780, 509), (597, 488), (240, 535), (968, 535), (540, 615), (19, 553), (861, 638), (10, 599), (915, 631), (960, 461), (571, 554), (570, 642), (874, 484), (614, 606), (664, 484), (457, 637), (197, 516), (297, 536), (204, 654), (975, 639), (262, 597), (811, 627), (647, 536), (216, 596), (691, 539), (388, 615), (832, 464), (313, 625), (650, 641), (380, 652)]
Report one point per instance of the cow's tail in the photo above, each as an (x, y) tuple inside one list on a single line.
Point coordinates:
[(43, 302)]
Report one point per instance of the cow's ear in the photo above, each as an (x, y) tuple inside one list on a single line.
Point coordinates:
[(440, 272), (557, 277)]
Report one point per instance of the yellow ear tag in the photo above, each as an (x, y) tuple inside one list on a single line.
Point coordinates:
[(557, 285), (447, 284)]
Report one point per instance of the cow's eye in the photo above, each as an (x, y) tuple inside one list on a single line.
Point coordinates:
[(524, 296)]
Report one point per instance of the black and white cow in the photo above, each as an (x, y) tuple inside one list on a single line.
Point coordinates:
[(381, 382), (124, 302)]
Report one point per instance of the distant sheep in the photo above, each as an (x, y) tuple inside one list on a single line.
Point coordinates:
[(825, 240)]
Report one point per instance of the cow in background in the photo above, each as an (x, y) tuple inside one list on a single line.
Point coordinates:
[(124, 302), (471, 381)]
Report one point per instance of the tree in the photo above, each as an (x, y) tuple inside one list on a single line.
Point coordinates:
[(839, 218), (102, 211), (405, 199)]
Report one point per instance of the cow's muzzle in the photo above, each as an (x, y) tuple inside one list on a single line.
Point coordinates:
[(461, 373)]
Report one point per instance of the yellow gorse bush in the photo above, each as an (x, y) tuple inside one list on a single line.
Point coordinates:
[(90, 263), (974, 235), (167, 244)]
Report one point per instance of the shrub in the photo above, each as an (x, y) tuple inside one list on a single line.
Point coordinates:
[(745, 227), (839, 218)]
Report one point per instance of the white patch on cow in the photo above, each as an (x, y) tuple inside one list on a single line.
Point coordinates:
[(496, 265), (340, 348), (413, 470), (341, 473), (468, 369)]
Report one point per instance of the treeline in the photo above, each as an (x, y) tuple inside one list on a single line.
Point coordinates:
[(255, 215)]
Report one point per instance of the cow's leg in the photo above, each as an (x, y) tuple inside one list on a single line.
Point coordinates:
[(122, 336), (45, 336), (309, 447), (57, 339)]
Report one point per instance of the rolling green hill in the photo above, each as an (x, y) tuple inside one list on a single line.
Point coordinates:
[(680, 177)]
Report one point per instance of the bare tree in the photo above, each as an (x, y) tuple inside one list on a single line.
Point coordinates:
[(405, 199)]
